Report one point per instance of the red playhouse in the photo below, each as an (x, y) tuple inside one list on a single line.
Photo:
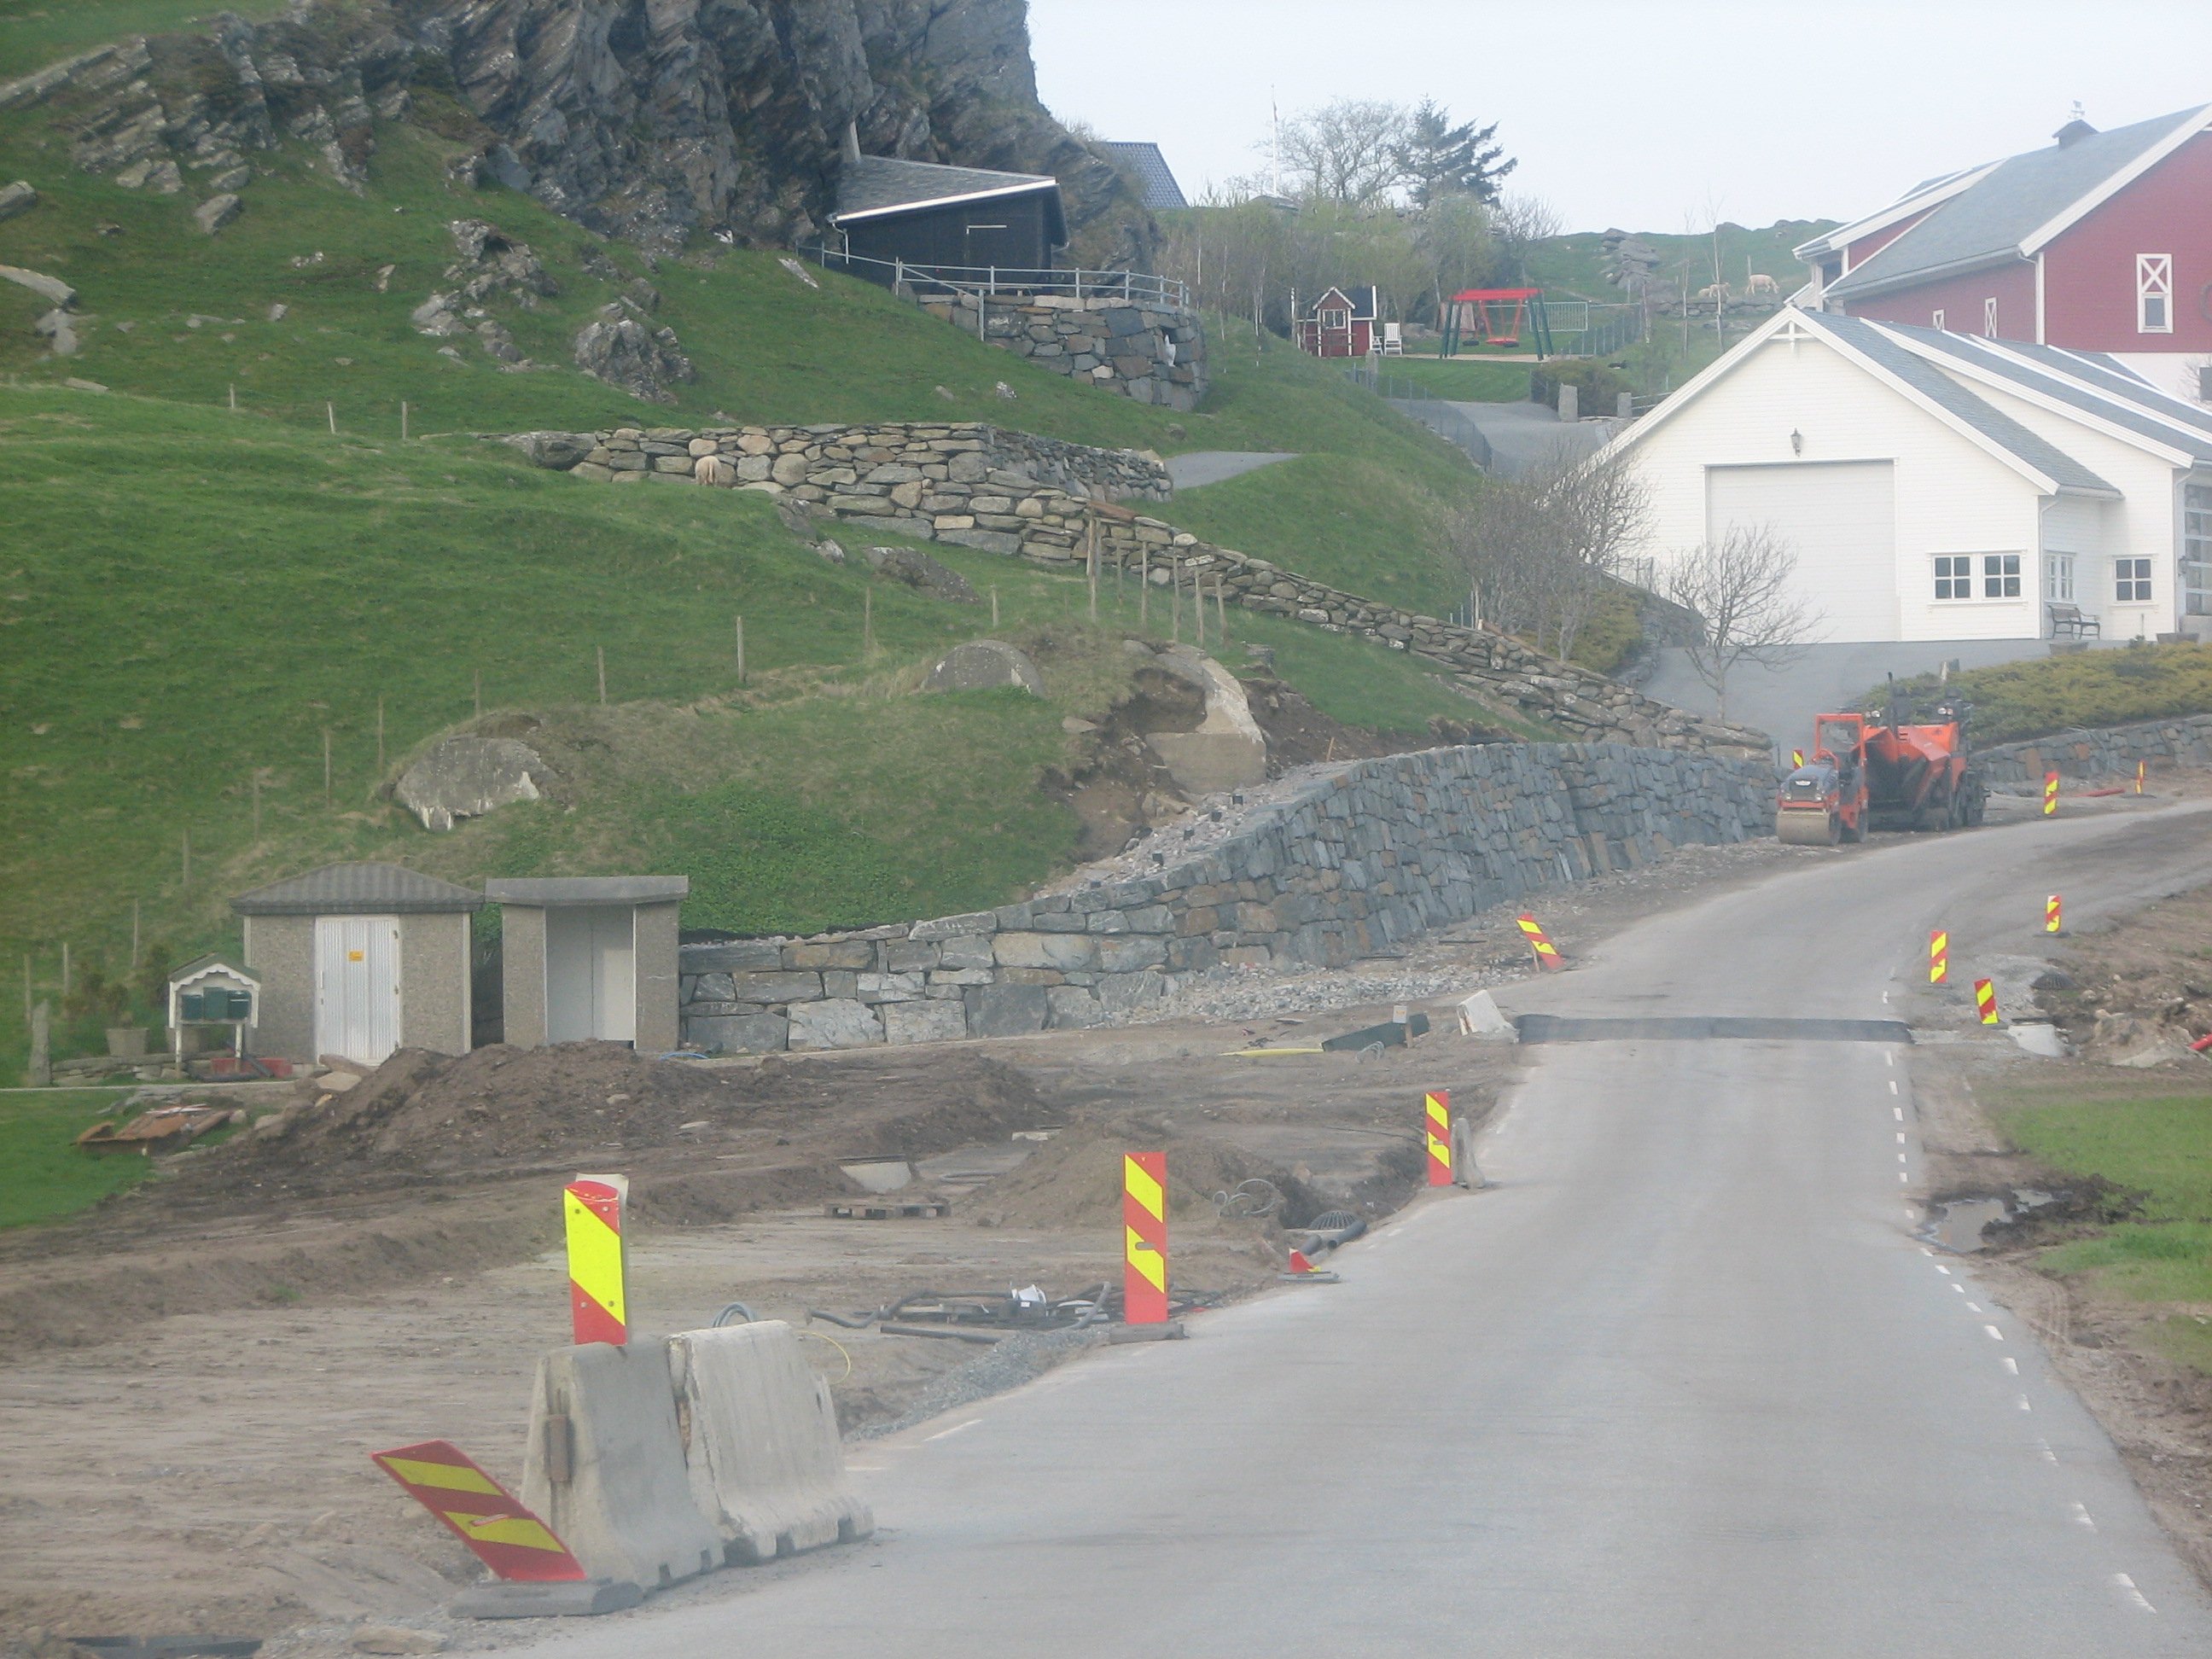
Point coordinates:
[(1342, 324)]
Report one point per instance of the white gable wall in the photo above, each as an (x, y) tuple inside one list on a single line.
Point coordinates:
[(2140, 525), (1949, 495)]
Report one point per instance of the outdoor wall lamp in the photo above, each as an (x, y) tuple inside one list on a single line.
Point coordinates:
[(1796, 442)]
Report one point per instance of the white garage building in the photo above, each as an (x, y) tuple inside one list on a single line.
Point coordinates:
[(1939, 486)]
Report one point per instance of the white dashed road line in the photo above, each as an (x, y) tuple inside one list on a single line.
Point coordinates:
[(2126, 1586)]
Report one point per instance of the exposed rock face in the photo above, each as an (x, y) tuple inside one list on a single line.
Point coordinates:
[(984, 665), (1228, 750), (624, 352), (649, 119)]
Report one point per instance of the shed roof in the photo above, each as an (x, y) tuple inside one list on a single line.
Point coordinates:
[(588, 889), (339, 890), (1878, 344), (880, 186), (2008, 212), (1144, 159), (200, 965)]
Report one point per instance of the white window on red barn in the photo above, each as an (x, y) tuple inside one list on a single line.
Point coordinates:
[(2154, 294), (1336, 319)]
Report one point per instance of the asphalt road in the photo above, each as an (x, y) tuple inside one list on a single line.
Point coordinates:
[(1683, 1384), (1204, 466)]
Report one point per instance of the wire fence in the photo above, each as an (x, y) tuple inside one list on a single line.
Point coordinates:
[(1137, 287)]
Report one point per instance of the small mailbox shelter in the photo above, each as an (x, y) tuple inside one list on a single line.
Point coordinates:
[(208, 991), (358, 959), (587, 958)]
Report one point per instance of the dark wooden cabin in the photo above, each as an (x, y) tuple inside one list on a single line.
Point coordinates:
[(971, 221)]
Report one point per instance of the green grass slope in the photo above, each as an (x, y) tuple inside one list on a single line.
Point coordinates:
[(192, 601)]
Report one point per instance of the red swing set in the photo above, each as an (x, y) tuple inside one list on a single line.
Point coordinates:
[(1493, 316)]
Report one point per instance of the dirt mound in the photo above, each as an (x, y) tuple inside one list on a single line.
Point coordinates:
[(1074, 1180), (502, 1104)]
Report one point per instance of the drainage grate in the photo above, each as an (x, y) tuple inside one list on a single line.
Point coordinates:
[(1552, 1028)]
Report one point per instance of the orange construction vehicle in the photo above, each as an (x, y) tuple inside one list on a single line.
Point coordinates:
[(1875, 772)]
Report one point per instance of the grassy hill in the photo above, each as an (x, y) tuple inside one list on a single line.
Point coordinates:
[(2036, 697), (198, 600)]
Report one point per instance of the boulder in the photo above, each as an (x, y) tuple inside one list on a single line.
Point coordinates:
[(984, 665), (555, 451), (468, 777), (726, 1033), (216, 212), (621, 351), (996, 1010), (1228, 750), (940, 1021), (51, 290), (18, 198)]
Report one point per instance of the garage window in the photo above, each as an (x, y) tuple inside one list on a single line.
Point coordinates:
[(2000, 576), (2131, 580), (1954, 576)]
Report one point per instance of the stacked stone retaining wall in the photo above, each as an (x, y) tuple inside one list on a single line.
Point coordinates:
[(1036, 499), (1365, 855), (2112, 751), (1153, 353)]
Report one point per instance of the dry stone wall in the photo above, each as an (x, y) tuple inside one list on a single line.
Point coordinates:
[(1364, 855), (1151, 354), (1058, 505), (2110, 752)]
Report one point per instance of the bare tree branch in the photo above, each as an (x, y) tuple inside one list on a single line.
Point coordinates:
[(1739, 588)]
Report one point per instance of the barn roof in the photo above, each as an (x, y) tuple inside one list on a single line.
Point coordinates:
[(338, 890), (2014, 208), (1881, 345), (2141, 409), (880, 186), (1144, 159)]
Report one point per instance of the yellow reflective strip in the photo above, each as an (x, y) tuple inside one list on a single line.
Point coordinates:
[(1152, 1264), (1438, 1112), (1440, 1151), (445, 1476), (507, 1529), (595, 1258), (1137, 1181)]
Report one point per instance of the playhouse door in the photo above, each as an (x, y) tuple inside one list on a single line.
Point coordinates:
[(591, 974), (357, 987)]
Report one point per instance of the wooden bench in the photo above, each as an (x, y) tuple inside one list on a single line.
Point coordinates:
[(2066, 622)]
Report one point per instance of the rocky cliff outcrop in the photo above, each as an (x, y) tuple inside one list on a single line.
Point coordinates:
[(649, 119)]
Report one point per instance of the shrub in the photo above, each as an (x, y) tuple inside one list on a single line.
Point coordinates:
[(2015, 701)]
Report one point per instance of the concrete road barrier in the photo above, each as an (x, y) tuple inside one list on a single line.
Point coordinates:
[(606, 1465), (766, 1464)]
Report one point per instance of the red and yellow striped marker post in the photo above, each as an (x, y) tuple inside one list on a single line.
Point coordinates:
[(1547, 954), (1145, 1239), (505, 1536), (1797, 757), (1985, 1001), (1436, 1106), (2050, 793), (598, 1290), (1939, 957), (2053, 915), (2139, 776)]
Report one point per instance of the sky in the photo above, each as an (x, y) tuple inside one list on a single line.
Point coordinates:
[(1652, 117)]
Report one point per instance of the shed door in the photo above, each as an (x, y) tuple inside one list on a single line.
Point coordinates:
[(1840, 519), (591, 974), (357, 987)]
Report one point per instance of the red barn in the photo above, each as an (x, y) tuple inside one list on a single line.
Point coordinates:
[(2099, 242), (1342, 324)]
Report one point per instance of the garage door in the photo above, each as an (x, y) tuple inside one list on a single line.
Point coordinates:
[(1840, 520)]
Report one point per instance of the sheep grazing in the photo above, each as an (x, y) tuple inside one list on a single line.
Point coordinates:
[(1716, 293), (1763, 286)]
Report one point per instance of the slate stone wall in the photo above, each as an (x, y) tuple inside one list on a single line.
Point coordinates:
[(1372, 853), (2111, 752)]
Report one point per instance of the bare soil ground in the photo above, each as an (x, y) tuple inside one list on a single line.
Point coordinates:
[(191, 1375)]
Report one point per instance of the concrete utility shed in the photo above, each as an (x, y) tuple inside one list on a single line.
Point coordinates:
[(357, 959), (589, 958)]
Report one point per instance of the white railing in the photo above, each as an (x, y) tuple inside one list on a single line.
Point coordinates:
[(1136, 286)]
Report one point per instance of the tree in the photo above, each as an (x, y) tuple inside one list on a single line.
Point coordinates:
[(1454, 237), (1539, 549), (1437, 160), (1740, 589), (1520, 222), (1346, 152)]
